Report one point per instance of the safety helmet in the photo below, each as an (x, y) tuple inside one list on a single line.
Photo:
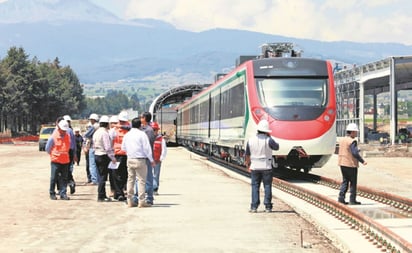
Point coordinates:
[(352, 127), (123, 116), (263, 126), (113, 119), (154, 125), (63, 125), (104, 119), (94, 116), (67, 118)]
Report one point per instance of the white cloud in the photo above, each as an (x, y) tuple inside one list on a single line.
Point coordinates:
[(329, 20)]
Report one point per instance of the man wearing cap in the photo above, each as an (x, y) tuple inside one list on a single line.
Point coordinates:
[(58, 146), (258, 158), (348, 160)]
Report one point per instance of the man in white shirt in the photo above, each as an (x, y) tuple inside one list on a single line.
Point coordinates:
[(138, 149)]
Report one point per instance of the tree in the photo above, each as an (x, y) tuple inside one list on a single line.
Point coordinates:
[(32, 92), (113, 103), (19, 75)]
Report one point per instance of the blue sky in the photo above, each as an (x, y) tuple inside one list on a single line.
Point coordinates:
[(328, 20)]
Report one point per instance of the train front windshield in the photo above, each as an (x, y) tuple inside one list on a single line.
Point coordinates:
[(292, 92)]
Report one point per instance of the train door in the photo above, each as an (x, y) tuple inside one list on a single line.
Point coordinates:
[(215, 115)]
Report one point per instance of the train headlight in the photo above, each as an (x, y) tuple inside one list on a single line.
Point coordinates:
[(326, 117)]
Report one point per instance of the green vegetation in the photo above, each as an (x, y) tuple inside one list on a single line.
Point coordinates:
[(112, 103), (34, 92)]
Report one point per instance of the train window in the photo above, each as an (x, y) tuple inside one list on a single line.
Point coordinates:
[(204, 111), (233, 102), (215, 110), (194, 114), (292, 92)]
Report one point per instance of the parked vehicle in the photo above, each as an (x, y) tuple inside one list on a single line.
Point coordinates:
[(405, 134), (45, 132)]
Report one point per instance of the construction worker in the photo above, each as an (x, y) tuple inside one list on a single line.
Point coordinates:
[(120, 174), (58, 146)]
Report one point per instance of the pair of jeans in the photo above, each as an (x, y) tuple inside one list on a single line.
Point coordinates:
[(92, 166), (257, 177), (149, 182), (58, 175), (156, 176)]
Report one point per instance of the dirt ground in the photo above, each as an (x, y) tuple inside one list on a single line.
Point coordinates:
[(389, 171), (33, 223)]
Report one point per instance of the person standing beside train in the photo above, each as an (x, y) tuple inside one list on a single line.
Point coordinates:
[(348, 160), (137, 146), (258, 158), (145, 119), (159, 154)]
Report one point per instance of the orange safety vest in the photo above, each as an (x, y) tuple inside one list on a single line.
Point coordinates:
[(59, 153), (117, 142), (157, 148)]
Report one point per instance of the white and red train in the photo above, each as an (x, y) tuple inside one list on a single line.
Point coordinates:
[(296, 95)]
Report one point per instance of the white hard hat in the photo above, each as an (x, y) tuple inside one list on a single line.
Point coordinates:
[(352, 127), (104, 119), (113, 119), (263, 126), (123, 116), (94, 116), (67, 118), (63, 125)]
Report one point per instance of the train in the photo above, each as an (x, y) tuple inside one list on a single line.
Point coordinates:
[(295, 94)]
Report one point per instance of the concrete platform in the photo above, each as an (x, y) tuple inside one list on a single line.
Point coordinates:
[(226, 195), (202, 209)]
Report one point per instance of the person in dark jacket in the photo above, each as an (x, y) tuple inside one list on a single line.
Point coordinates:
[(79, 143)]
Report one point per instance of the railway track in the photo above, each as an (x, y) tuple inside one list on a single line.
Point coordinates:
[(384, 221)]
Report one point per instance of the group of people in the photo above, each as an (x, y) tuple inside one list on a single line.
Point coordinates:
[(258, 158), (130, 155), (116, 150)]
